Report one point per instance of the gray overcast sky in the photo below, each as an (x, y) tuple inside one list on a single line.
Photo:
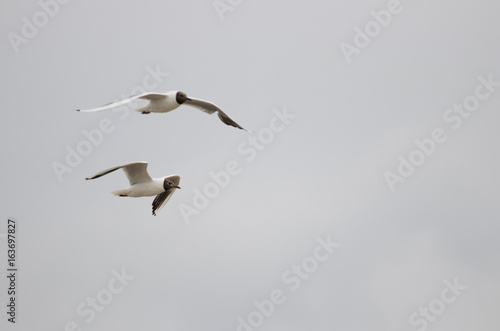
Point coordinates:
[(366, 199)]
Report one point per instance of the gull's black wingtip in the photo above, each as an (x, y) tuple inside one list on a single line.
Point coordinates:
[(78, 110)]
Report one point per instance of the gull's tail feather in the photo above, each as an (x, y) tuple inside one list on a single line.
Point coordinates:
[(120, 193), (143, 110)]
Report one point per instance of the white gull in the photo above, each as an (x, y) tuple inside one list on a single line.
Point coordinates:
[(165, 102), (142, 185)]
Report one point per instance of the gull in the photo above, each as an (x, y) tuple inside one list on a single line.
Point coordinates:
[(142, 185), (165, 102)]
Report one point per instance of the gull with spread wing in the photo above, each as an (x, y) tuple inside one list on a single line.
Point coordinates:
[(165, 102), (142, 185)]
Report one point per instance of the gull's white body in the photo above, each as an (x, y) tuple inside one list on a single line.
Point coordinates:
[(142, 185), (147, 189), (161, 105)]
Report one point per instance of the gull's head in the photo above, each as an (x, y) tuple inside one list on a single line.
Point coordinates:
[(171, 182), (180, 97)]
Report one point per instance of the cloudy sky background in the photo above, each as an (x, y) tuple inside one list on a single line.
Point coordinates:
[(322, 176)]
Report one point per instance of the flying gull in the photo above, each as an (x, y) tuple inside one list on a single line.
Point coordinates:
[(142, 185), (165, 102)]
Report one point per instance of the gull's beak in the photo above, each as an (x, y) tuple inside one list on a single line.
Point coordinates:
[(177, 187)]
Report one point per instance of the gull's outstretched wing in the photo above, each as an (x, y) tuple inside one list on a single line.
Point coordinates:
[(211, 108), (161, 200), (147, 96), (136, 172)]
